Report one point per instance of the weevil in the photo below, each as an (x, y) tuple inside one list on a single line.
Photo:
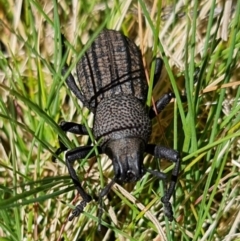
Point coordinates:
[(113, 86)]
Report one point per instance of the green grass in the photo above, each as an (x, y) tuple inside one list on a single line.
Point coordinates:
[(37, 195)]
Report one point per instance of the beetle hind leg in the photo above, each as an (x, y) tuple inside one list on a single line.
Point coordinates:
[(157, 71), (161, 104)]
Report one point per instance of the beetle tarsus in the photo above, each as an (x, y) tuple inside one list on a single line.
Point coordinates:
[(167, 209), (78, 210)]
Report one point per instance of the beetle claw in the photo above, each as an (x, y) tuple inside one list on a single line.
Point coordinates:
[(78, 210)]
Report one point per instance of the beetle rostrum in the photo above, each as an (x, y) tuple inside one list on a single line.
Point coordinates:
[(112, 84)]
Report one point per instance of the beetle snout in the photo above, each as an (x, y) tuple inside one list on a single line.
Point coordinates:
[(127, 169), (127, 158), (132, 176)]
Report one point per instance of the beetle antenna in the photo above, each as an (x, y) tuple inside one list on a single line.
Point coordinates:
[(103, 193)]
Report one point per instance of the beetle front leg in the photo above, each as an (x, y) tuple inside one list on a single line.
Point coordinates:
[(172, 155), (71, 157)]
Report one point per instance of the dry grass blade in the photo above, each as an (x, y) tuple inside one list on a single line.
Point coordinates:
[(147, 213)]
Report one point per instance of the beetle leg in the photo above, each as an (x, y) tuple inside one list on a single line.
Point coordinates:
[(161, 104), (70, 81), (157, 174), (71, 157), (172, 155), (158, 70), (103, 193), (72, 128)]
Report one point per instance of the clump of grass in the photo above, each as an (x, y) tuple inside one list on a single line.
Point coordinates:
[(199, 44)]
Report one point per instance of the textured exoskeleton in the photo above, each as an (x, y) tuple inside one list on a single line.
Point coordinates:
[(112, 84)]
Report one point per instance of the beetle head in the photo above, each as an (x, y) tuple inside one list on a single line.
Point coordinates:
[(127, 158)]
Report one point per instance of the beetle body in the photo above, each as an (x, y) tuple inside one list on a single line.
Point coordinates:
[(112, 84), (111, 66), (114, 87)]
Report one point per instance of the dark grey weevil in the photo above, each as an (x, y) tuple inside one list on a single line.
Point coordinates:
[(113, 86)]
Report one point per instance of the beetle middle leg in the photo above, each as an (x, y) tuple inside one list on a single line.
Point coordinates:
[(71, 127), (172, 155)]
